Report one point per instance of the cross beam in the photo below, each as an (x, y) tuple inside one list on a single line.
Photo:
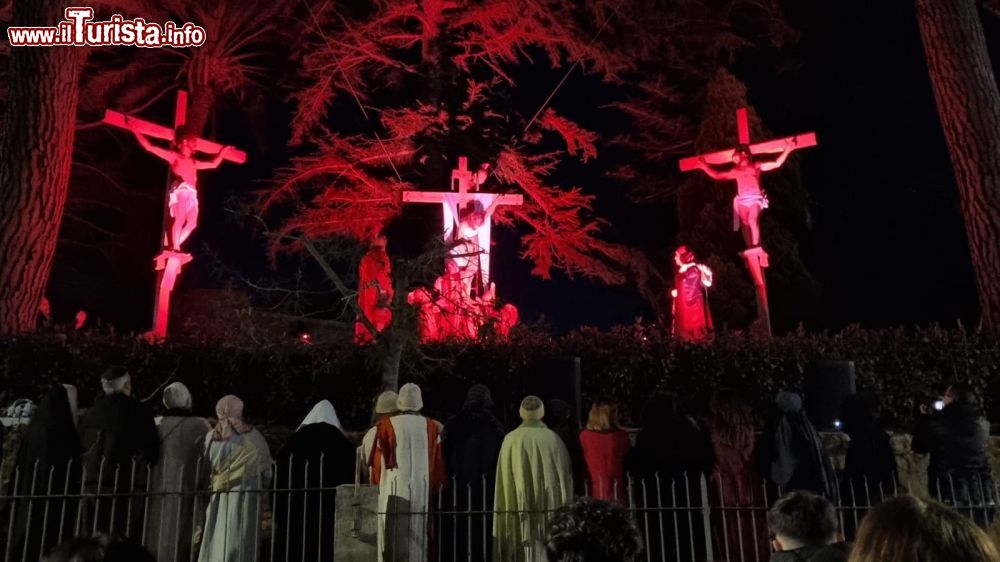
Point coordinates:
[(465, 185), (803, 140)]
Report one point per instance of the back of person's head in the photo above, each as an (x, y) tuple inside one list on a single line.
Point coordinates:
[(591, 530), (558, 413), (116, 380), (100, 548), (802, 518), (908, 529), (963, 393), (731, 419), (603, 416)]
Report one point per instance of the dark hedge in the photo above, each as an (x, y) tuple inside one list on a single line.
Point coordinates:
[(279, 382)]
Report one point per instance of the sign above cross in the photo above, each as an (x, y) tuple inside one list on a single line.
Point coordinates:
[(180, 216), (464, 190)]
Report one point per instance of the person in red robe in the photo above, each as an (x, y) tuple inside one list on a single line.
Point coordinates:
[(692, 319), (374, 290)]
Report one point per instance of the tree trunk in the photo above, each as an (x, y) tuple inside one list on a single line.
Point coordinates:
[(969, 107), (35, 155)]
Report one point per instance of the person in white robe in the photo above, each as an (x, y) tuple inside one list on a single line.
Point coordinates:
[(408, 466), (173, 517), (241, 468)]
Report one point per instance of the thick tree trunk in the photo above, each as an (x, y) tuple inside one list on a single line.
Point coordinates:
[(969, 106), (35, 155)]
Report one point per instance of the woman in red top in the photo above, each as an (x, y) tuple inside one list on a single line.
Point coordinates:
[(604, 446)]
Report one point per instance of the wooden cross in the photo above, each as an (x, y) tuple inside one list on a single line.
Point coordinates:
[(756, 258), (168, 262), (803, 140), (463, 190)]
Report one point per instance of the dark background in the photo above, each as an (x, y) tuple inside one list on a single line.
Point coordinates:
[(887, 246)]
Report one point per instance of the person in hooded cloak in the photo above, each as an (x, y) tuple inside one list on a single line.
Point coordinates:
[(793, 452), (534, 478), (241, 467), (408, 467), (317, 455), (47, 463), (471, 442), (173, 517)]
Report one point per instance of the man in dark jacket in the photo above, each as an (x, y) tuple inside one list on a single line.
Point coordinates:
[(120, 443), (804, 527), (959, 469), (471, 443)]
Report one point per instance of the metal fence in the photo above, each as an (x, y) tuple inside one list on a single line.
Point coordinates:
[(293, 513)]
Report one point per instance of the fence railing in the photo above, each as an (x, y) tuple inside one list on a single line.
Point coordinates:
[(296, 512)]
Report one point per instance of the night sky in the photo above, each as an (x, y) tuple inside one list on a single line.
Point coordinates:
[(887, 246)]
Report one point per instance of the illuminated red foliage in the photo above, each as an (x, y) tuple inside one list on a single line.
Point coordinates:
[(435, 79)]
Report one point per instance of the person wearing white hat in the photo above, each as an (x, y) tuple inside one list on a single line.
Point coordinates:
[(176, 477), (385, 406), (534, 478), (407, 464)]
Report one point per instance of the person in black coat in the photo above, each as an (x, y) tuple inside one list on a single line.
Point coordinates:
[(120, 444), (956, 438), (663, 470), (47, 463), (471, 446), (870, 465), (317, 456), (793, 453)]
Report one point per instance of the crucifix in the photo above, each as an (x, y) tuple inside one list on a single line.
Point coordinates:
[(467, 216), (180, 216), (743, 165)]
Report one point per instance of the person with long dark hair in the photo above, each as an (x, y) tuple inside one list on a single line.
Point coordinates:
[(47, 463), (664, 468), (736, 484)]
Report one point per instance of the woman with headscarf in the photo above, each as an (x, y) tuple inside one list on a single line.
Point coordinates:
[(671, 454), (794, 455), (741, 533), (316, 456), (471, 443), (240, 462), (47, 463), (173, 515), (385, 407)]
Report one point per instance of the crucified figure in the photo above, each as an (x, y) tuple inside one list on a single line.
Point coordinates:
[(183, 195), (750, 199), (466, 253)]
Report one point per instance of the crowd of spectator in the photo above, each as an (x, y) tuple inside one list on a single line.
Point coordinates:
[(179, 487)]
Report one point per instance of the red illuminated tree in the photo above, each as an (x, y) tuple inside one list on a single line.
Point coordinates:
[(969, 106), (437, 79), (36, 150)]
